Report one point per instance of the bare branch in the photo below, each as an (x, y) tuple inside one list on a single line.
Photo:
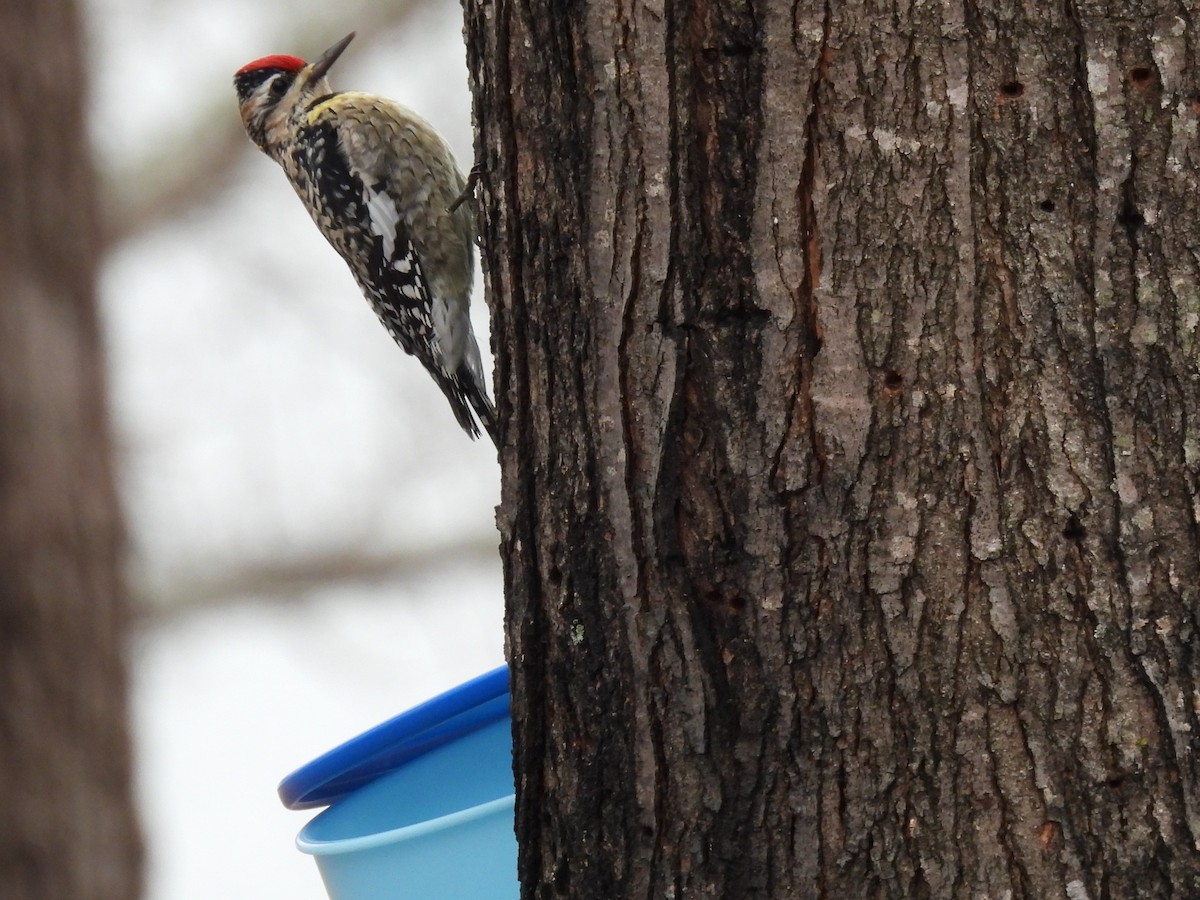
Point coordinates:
[(285, 580)]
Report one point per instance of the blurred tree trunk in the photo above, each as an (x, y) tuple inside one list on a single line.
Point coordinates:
[(68, 828), (849, 362)]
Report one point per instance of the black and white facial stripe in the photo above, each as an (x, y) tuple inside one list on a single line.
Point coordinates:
[(266, 87)]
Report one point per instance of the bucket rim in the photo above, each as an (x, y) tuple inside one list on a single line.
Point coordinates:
[(381, 750)]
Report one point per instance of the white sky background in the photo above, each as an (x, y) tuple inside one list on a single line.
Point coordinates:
[(266, 423)]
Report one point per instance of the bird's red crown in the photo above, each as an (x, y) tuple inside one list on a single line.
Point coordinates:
[(278, 61)]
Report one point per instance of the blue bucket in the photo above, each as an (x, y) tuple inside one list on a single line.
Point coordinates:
[(421, 806)]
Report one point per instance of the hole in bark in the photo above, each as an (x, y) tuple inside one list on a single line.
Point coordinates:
[(1141, 75), (1074, 530), (554, 576), (738, 49), (1048, 834), (1195, 102), (1129, 217), (1046, 205), (893, 381), (1011, 90), (722, 602)]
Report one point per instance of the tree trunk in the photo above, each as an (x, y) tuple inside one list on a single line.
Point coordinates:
[(68, 829), (848, 355)]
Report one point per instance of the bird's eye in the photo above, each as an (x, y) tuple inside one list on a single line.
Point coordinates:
[(278, 86)]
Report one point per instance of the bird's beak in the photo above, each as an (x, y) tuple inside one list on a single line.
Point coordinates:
[(317, 70)]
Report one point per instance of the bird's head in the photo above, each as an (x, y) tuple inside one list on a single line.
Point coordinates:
[(271, 89)]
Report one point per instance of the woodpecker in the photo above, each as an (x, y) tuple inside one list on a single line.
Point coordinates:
[(384, 189)]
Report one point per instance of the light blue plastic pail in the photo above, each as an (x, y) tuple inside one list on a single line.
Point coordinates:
[(421, 807)]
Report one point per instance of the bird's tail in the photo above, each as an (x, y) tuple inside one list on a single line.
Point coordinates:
[(469, 400), (486, 411)]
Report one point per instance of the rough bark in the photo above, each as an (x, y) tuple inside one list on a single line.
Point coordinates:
[(851, 508), (68, 829)]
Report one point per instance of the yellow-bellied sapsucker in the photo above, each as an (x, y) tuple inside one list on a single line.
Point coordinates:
[(383, 187)]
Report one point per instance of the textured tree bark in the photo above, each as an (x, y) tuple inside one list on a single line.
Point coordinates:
[(68, 828), (851, 511)]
